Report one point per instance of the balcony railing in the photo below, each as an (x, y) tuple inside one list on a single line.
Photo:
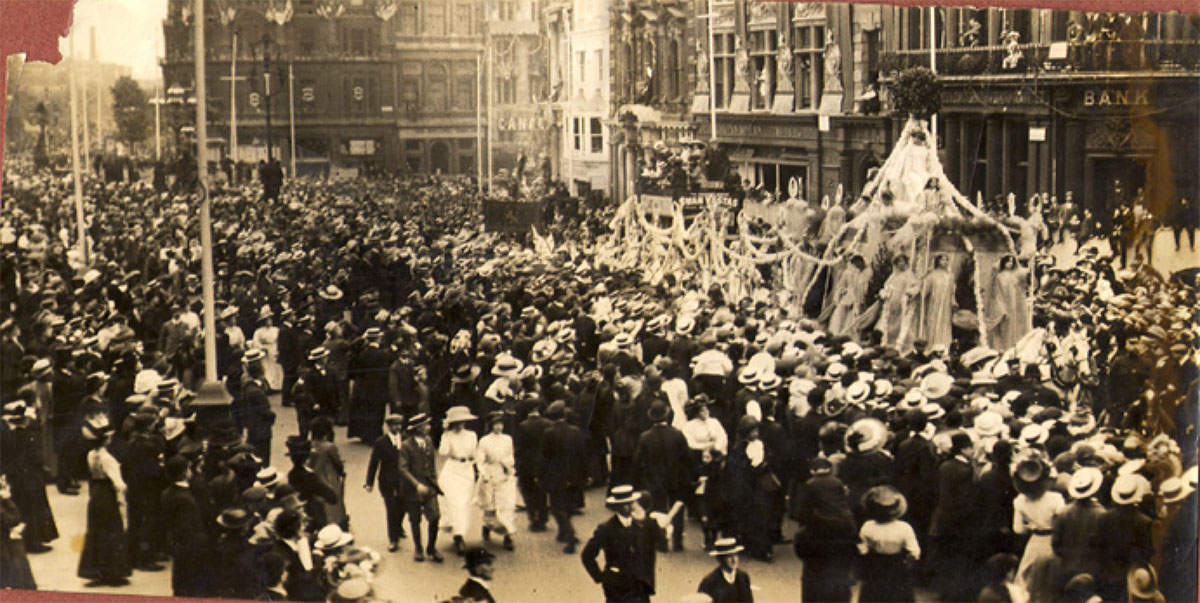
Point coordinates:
[(1130, 56)]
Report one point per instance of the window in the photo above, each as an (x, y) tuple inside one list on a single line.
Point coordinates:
[(436, 83), (435, 18), (506, 90), (356, 41), (722, 54), (410, 88), (462, 18), (508, 10), (408, 16), (673, 70), (581, 59), (577, 129), (464, 86), (599, 59), (762, 58), (809, 65), (597, 131)]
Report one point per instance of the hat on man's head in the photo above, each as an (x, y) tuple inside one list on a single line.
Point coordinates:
[(233, 519), (298, 446), (318, 353), (267, 477), (394, 419), (658, 411), (726, 546), (1085, 483), (253, 355), (621, 494), (556, 410), (1129, 489), (417, 420)]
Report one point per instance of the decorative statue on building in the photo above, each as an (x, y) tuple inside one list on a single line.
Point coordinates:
[(701, 66), (833, 64), (973, 33), (783, 58), (742, 62), (764, 87)]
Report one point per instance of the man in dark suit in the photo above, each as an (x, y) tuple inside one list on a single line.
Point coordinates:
[(563, 470), (368, 371), (1123, 536), (479, 564), (654, 344), (664, 464), (527, 448), (255, 412), (916, 472), (628, 544), (312, 489), (951, 529), (421, 492), (187, 534), (385, 462)]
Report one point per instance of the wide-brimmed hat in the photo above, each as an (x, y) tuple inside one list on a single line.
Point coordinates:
[(933, 411), (1030, 471), (726, 546), (623, 340), (417, 420), (884, 503), (747, 424), (769, 382), (373, 333), (332, 537), (1174, 489), (233, 519), (858, 392), (748, 375), (330, 293), (267, 477), (1129, 489), (835, 370), (976, 355), (1085, 482), (684, 325), (882, 387), (507, 366), (621, 494), (1142, 582), (253, 355), (1033, 434), (393, 419), (353, 589), (465, 373), (458, 414), (936, 385), (988, 424), (41, 368), (874, 435), (1081, 422), (543, 350)]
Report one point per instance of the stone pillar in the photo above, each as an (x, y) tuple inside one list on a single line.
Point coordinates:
[(995, 156), (952, 131), (1072, 160)]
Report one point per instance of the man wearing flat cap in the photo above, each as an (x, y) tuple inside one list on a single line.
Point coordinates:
[(421, 490)]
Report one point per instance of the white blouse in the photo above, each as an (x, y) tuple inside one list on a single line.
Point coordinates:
[(706, 434), (888, 538), (495, 449), (458, 445), (102, 464)]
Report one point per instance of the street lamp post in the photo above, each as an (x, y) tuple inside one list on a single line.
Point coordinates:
[(263, 47)]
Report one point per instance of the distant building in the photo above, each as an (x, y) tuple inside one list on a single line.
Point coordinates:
[(33, 82), (1053, 101)]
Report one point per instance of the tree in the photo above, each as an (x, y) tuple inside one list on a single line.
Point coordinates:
[(131, 109), (916, 91)]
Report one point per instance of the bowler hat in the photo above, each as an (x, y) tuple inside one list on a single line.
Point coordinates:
[(233, 519), (556, 410)]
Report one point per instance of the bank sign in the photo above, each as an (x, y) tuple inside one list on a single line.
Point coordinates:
[(1106, 97)]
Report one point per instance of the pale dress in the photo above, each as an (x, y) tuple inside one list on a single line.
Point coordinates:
[(496, 493), (938, 294), (1036, 518), (267, 340), (457, 479)]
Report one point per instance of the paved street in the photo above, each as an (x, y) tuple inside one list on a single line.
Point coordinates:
[(537, 570)]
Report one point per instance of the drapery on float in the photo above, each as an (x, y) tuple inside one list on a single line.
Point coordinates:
[(780, 252)]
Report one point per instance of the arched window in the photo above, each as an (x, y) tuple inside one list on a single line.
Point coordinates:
[(436, 87)]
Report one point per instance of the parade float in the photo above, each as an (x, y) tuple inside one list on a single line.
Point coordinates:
[(791, 253)]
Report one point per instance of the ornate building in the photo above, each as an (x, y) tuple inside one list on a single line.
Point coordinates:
[(789, 84), (378, 85), (1054, 101)]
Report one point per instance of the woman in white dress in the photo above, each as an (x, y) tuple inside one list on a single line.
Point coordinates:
[(496, 493), (1033, 512), (1008, 317), (937, 297), (848, 297), (898, 321), (266, 338), (457, 479)]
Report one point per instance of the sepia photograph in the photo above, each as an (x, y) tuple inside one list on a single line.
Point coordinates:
[(741, 300)]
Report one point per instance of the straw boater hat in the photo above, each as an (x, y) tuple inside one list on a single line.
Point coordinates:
[(873, 433), (318, 353), (621, 494), (1034, 434), (684, 325), (988, 424), (936, 385), (858, 392), (233, 519), (884, 503), (267, 477), (507, 366), (330, 293), (543, 350), (458, 414), (835, 371), (748, 376), (1085, 483), (332, 537), (393, 419), (726, 546), (417, 420), (253, 355), (1128, 489), (1173, 490), (769, 382)]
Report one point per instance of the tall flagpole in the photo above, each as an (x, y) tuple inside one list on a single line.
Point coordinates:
[(99, 119), (233, 133), (81, 228), (933, 129), (712, 75), (491, 118), (292, 115), (87, 144), (211, 389), (479, 119)]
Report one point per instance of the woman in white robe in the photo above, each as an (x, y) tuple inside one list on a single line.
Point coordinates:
[(266, 338), (898, 320), (937, 297), (848, 296), (1008, 317), (457, 478), (496, 493)]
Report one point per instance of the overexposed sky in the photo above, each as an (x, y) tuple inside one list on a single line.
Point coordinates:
[(128, 32)]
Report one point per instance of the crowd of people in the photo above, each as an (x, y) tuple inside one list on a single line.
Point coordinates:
[(1059, 466)]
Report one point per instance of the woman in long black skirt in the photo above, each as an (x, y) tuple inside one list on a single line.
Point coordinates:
[(888, 547), (104, 561)]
